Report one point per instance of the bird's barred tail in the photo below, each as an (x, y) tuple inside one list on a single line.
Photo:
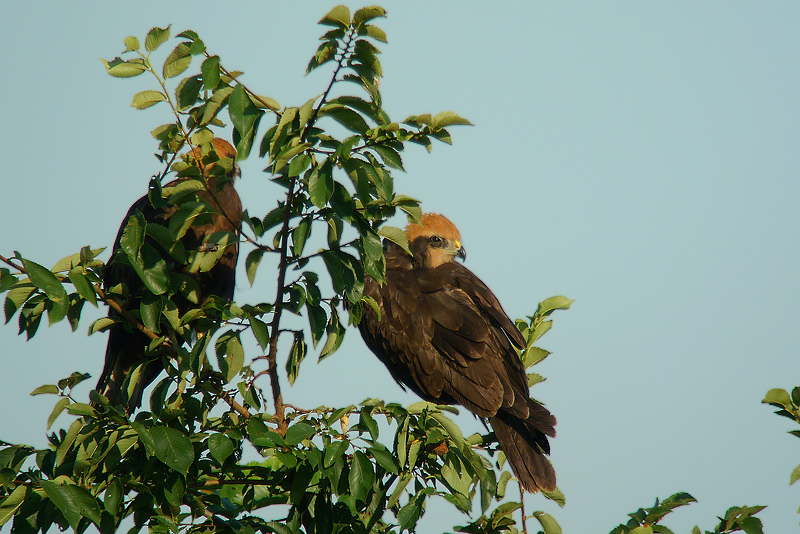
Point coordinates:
[(524, 442)]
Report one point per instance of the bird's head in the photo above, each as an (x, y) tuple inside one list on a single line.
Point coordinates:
[(435, 241), (226, 159)]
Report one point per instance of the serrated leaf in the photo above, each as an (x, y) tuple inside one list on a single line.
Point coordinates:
[(57, 409), (554, 303), (101, 325), (50, 285), (244, 116), (173, 448), (549, 525), (73, 501), (131, 43), (230, 354), (296, 356), (372, 31), (220, 446), (82, 285), (298, 432), (320, 184), (156, 37), (145, 99), (780, 397), (47, 389), (339, 16), (188, 91), (251, 264), (177, 61), (792, 479), (11, 503), (366, 14), (448, 118), (395, 235), (260, 332), (211, 73), (124, 69), (361, 476)]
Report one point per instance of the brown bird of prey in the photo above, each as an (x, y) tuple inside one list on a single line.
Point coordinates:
[(443, 334), (126, 346)]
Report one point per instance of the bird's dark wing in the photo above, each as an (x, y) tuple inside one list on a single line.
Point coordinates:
[(438, 335), (444, 334), (126, 345)]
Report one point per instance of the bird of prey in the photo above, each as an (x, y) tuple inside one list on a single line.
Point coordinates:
[(126, 345), (442, 333)]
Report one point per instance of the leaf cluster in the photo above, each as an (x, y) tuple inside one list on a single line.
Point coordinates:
[(177, 467)]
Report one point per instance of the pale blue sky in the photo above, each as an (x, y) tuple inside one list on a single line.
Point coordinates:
[(639, 157)]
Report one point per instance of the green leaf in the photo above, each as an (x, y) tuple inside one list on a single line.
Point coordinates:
[(345, 116), (556, 496), (82, 285), (59, 407), (251, 264), (336, 332), (325, 52), (779, 397), (320, 183), (177, 61), (215, 103), (395, 235), (188, 91), (554, 303), (211, 73), (366, 14), (339, 17), (296, 356), (152, 269), (298, 432), (792, 479), (52, 288), (549, 525), (131, 43), (220, 446), (48, 389), (372, 31), (389, 156), (300, 235), (260, 331), (448, 118), (172, 448), (334, 451), (124, 69), (362, 477), (752, 525), (145, 99), (73, 501), (11, 503), (299, 164), (244, 116), (101, 325), (230, 354), (317, 319), (156, 37)]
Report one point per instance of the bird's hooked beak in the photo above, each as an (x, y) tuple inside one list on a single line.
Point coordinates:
[(461, 252)]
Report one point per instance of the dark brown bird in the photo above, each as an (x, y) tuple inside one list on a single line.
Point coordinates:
[(126, 346), (442, 333)]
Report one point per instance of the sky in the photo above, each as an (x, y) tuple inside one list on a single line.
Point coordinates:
[(639, 157)]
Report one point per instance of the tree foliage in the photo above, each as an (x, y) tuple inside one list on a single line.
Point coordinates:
[(176, 466)]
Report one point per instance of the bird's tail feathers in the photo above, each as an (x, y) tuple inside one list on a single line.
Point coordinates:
[(525, 444)]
